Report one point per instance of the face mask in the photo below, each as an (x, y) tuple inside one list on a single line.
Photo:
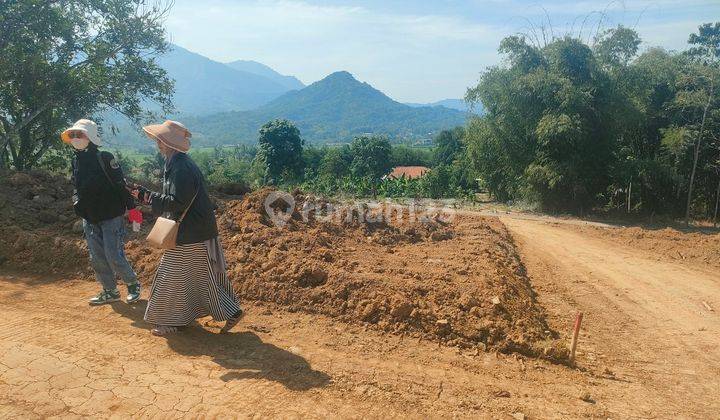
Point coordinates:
[(80, 144)]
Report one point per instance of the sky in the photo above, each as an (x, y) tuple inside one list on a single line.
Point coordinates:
[(414, 51)]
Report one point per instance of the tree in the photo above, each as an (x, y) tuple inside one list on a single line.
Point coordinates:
[(405, 155), (280, 150), (370, 157), (616, 47), (547, 125), (448, 146), (313, 157), (336, 163), (705, 51), (67, 60)]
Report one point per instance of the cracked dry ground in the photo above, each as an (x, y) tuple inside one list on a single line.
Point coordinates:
[(58, 357)]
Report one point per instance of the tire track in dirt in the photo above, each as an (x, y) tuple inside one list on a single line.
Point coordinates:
[(645, 319)]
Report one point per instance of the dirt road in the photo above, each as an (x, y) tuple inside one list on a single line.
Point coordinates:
[(647, 320), (649, 349)]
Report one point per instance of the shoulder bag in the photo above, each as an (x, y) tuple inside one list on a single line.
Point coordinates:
[(164, 232)]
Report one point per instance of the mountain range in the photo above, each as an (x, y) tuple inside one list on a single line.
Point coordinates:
[(204, 86), (334, 109), (227, 103), (289, 82)]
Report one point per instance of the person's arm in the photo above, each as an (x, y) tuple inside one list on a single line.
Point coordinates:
[(183, 187), (77, 206), (118, 179)]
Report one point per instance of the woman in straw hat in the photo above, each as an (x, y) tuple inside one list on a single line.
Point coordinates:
[(191, 280)]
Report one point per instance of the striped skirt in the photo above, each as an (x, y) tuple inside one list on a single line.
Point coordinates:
[(191, 283)]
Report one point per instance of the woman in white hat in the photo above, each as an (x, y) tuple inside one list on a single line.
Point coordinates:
[(101, 199), (191, 280)]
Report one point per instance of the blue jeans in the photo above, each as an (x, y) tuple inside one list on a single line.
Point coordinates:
[(106, 243)]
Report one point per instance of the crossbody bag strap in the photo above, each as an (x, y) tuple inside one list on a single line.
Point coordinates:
[(188, 207), (104, 169), (117, 187)]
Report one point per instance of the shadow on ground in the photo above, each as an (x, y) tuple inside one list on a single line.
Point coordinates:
[(242, 353), (246, 356), (134, 311)]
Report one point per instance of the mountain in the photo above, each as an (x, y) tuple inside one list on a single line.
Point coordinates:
[(334, 109), (204, 86), (458, 104), (290, 82)]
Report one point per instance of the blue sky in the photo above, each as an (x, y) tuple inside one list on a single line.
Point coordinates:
[(415, 51)]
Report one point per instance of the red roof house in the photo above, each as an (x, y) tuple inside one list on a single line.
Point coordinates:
[(409, 172)]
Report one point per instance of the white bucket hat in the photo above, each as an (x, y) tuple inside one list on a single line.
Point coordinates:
[(85, 126)]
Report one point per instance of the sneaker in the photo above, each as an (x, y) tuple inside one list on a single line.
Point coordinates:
[(106, 296), (230, 323), (133, 292)]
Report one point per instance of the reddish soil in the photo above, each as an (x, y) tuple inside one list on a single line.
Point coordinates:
[(461, 283), (692, 247), (332, 309)]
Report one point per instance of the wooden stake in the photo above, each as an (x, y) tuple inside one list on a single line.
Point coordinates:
[(576, 332)]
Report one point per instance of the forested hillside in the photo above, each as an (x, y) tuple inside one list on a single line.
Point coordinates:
[(332, 110)]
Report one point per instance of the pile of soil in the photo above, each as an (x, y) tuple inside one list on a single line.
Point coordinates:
[(39, 232), (694, 247), (461, 283)]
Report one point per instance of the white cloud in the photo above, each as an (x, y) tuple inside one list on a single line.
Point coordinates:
[(414, 57), (391, 51)]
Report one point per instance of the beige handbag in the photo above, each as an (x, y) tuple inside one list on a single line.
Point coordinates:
[(164, 232)]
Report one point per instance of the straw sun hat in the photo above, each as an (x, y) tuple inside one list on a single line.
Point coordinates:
[(171, 133)]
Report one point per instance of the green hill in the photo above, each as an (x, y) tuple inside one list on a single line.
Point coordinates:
[(333, 109)]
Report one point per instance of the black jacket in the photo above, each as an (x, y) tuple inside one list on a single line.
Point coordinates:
[(182, 179), (95, 197)]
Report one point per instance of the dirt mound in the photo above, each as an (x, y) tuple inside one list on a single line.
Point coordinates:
[(461, 283), (39, 231), (673, 244), (401, 270)]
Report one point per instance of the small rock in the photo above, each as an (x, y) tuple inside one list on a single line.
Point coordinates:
[(78, 226), (518, 416), (585, 396), (259, 328), (401, 310), (43, 199), (468, 302), (502, 394), (442, 322), (440, 236), (495, 300)]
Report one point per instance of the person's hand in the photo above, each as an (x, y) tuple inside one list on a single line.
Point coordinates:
[(140, 193)]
